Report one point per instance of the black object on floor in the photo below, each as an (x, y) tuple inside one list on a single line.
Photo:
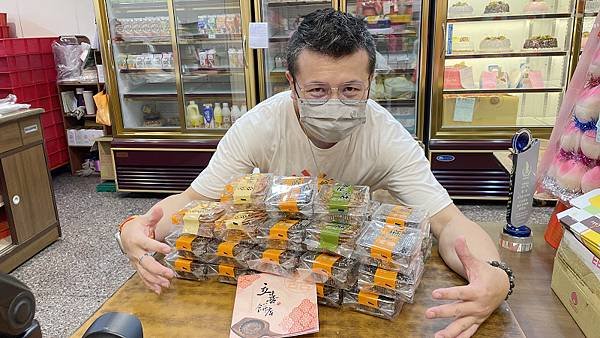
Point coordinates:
[(17, 308), (115, 324)]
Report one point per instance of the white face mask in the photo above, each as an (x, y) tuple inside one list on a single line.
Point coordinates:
[(333, 121)]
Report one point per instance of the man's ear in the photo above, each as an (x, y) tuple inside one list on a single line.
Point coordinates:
[(290, 79)]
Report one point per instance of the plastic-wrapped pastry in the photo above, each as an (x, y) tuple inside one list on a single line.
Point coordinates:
[(393, 246), (373, 206), (186, 268), (372, 304), (226, 273), (275, 261), (198, 217), (334, 238), (343, 203), (426, 247), (331, 270), (292, 195), (390, 283), (282, 233), (403, 216), (247, 192), (228, 253), (188, 245), (329, 296), (240, 226)]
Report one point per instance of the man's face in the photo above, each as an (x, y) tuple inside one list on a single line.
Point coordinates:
[(315, 70)]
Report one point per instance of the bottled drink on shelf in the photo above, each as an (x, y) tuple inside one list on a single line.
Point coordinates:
[(218, 115), (235, 113), (226, 115), (207, 111), (194, 118)]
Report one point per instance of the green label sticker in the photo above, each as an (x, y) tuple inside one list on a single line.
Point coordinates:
[(330, 236), (340, 197)]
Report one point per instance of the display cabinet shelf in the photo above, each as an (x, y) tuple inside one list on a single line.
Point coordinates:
[(590, 14), (297, 3), (396, 102), (503, 91), (503, 55), (510, 17)]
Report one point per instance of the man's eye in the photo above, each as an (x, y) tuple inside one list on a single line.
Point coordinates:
[(316, 90)]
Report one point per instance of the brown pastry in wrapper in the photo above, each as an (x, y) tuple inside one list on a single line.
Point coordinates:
[(334, 238), (240, 226), (329, 296), (226, 273), (282, 233), (372, 303), (247, 192), (228, 253), (403, 216), (426, 247), (342, 203), (281, 245), (186, 268), (331, 270), (275, 261), (188, 245), (292, 195), (198, 217), (373, 206), (390, 283), (389, 246)]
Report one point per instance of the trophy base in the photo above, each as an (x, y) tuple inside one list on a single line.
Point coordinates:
[(516, 244)]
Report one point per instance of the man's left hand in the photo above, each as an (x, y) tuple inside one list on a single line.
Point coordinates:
[(473, 303)]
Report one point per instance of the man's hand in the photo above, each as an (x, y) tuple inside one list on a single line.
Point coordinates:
[(137, 241), (473, 303)]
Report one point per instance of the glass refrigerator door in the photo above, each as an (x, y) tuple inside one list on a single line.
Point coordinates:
[(506, 65), (396, 26), (144, 64), (591, 11), (283, 18), (213, 62)]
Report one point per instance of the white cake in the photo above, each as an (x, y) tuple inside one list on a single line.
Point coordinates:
[(462, 44), (536, 7), (461, 8), (493, 44)]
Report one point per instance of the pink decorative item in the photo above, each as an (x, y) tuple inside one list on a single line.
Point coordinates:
[(569, 175), (553, 170), (589, 147), (588, 105), (571, 139), (594, 68), (591, 180)]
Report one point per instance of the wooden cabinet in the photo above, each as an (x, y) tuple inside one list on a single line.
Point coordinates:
[(29, 207)]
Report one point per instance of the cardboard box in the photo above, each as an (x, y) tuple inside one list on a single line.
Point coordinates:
[(107, 166), (576, 282), (490, 110)]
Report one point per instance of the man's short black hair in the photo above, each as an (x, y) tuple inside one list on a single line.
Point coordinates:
[(332, 33)]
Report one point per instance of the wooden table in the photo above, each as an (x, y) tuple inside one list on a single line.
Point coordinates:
[(203, 309)]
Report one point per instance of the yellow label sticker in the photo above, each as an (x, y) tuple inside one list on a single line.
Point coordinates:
[(184, 242), (191, 224), (226, 270), (386, 279), (368, 299), (237, 221), (324, 263), (280, 229), (242, 191), (225, 249), (182, 264), (272, 255)]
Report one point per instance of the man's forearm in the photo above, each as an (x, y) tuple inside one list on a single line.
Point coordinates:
[(453, 224)]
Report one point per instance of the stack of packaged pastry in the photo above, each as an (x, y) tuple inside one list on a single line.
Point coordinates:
[(390, 250)]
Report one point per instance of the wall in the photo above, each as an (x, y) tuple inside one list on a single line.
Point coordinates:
[(32, 18)]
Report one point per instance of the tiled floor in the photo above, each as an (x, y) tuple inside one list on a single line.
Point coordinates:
[(78, 273)]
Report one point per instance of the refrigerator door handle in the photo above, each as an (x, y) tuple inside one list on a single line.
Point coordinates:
[(443, 49), (245, 49)]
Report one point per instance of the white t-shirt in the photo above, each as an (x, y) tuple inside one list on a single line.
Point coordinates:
[(381, 154)]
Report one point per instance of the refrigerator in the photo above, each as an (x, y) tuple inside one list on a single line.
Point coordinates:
[(497, 67)]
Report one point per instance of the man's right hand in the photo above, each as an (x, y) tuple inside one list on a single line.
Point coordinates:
[(137, 240)]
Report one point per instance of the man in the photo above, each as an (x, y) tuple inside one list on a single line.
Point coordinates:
[(325, 126)]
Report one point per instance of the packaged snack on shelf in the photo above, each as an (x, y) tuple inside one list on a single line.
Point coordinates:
[(226, 273), (372, 304), (247, 192), (198, 217), (282, 233), (240, 226), (188, 245), (329, 296), (342, 203), (402, 216), (334, 238), (390, 283), (331, 270), (292, 195), (186, 268), (389, 245), (275, 261), (228, 253)]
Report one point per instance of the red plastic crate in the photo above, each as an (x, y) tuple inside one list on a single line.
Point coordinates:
[(58, 159), (56, 103), (46, 45), (14, 63), (35, 61), (3, 19), (4, 31), (44, 90), (54, 132), (54, 145), (16, 79), (48, 62), (51, 118), (44, 103), (50, 75), (24, 94)]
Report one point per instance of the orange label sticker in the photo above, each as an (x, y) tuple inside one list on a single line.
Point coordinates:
[(182, 264), (184, 242), (320, 291), (280, 229), (272, 255), (368, 299), (384, 244), (226, 270), (225, 249), (324, 263), (386, 279), (398, 215)]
